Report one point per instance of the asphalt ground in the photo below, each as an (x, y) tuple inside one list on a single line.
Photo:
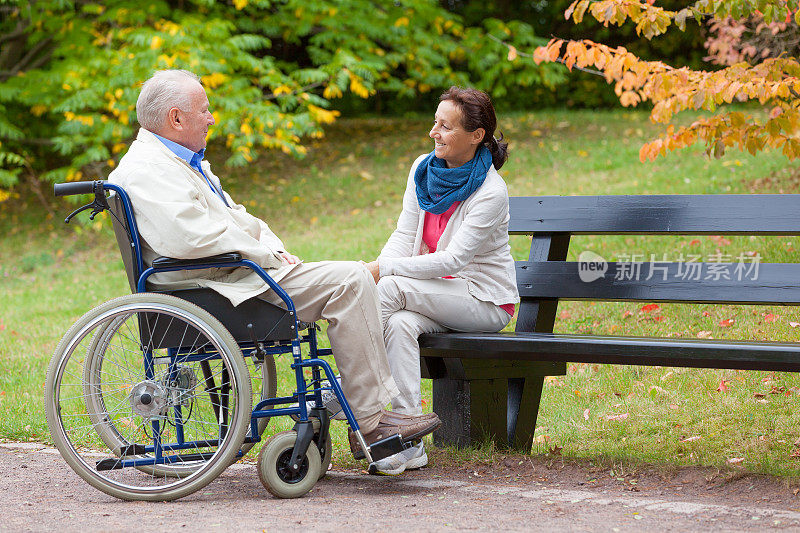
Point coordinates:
[(41, 493)]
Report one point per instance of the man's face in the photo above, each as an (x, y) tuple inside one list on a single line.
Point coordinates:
[(191, 124)]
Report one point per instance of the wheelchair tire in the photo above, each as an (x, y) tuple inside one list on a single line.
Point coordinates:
[(263, 376), (268, 387), (273, 469), (104, 407), (326, 458)]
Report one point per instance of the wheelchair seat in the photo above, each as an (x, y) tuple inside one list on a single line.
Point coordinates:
[(270, 323)]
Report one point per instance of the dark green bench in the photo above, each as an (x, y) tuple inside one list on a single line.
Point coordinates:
[(490, 384)]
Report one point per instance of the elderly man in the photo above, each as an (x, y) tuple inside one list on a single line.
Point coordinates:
[(182, 212)]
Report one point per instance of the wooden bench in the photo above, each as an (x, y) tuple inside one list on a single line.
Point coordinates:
[(490, 384)]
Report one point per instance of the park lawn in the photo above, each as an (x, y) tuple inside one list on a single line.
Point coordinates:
[(341, 202)]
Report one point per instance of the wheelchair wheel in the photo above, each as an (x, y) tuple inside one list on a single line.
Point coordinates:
[(326, 459), (264, 378), (148, 397), (263, 375), (274, 471)]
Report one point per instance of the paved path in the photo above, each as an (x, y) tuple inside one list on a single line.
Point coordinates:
[(40, 493)]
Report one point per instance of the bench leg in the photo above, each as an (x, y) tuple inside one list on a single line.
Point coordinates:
[(523, 407), (471, 411), (502, 409)]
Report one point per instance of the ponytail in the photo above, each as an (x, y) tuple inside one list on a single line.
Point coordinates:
[(499, 151)]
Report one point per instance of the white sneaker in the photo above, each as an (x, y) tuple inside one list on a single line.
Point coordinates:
[(394, 465)]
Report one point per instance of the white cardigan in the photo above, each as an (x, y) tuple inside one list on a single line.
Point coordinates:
[(473, 246), (178, 215)]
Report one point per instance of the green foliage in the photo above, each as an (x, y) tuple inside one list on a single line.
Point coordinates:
[(70, 70), (547, 20)]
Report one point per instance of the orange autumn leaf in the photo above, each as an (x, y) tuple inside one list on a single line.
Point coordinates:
[(723, 386), (649, 307), (726, 322), (769, 317)]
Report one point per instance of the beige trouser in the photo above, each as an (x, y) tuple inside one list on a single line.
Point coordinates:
[(410, 307), (344, 294)]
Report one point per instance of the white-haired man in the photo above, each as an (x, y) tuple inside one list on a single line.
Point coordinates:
[(182, 212)]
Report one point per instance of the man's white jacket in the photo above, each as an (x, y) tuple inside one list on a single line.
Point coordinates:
[(178, 215)]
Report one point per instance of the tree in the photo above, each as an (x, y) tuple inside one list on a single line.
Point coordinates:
[(70, 69), (773, 82), (732, 41)]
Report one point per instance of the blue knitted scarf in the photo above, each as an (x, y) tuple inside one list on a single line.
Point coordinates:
[(438, 187)]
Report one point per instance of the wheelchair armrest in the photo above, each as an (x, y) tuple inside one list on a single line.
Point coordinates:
[(170, 262)]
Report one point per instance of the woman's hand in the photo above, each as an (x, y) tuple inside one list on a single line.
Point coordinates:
[(374, 269)]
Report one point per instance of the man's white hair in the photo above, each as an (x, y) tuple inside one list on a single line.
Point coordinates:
[(164, 90)]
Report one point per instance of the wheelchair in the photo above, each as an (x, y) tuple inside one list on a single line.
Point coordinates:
[(150, 396)]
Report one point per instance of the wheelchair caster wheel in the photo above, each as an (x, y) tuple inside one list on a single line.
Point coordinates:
[(326, 459), (275, 473)]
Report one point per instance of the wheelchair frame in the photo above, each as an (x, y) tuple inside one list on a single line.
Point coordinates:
[(292, 405)]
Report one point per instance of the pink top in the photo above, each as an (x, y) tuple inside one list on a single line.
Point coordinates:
[(432, 229)]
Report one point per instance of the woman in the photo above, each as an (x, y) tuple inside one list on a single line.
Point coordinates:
[(448, 264)]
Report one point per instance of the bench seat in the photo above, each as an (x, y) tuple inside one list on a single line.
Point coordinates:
[(649, 351)]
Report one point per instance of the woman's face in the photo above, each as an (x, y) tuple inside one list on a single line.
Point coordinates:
[(451, 141)]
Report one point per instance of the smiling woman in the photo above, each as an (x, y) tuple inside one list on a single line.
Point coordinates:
[(448, 264)]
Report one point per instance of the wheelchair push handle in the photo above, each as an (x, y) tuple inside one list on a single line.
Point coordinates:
[(74, 187), (97, 205)]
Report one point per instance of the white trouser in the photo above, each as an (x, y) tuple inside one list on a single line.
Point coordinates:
[(410, 307), (344, 294)]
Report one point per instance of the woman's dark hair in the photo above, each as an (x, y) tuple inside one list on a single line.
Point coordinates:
[(477, 111)]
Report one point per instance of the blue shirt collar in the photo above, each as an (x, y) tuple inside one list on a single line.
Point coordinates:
[(193, 158)]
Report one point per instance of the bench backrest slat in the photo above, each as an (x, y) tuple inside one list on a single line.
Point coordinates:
[(761, 214), (734, 283)]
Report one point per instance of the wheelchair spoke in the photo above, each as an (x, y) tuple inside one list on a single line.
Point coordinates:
[(140, 419)]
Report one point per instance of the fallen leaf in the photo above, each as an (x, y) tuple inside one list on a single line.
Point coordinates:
[(623, 416), (704, 335), (555, 450), (586, 414), (658, 318), (691, 439), (564, 315), (726, 323), (695, 242), (706, 313), (759, 395), (649, 307), (794, 324), (735, 460), (777, 390), (769, 317), (723, 386), (719, 240), (626, 314)]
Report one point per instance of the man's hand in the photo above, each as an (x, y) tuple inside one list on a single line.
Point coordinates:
[(374, 269), (290, 259)]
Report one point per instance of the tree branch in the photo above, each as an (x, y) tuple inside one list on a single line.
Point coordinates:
[(297, 91), (560, 59)]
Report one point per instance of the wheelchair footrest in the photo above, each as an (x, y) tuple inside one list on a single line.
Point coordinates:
[(132, 449), (389, 446)]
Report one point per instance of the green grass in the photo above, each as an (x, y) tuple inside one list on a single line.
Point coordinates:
[(341, 202)]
